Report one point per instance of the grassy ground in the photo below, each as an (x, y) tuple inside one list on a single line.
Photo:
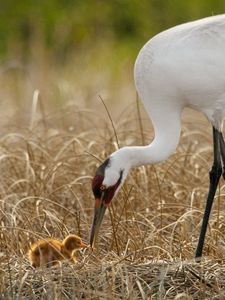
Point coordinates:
[(48, 155)]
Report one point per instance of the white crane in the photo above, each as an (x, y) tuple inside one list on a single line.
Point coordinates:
[(180, 67)]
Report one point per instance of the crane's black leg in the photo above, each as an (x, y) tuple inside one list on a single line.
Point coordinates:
[(214, 176), (222, 152)]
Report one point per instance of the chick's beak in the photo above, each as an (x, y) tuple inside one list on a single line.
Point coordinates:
[(83, 245), (99, 212)]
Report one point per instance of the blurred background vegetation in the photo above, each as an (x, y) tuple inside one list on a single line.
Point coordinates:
[(64, 28), (90, 45)]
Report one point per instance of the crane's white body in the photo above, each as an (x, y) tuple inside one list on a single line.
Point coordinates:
[(180, 67), (185, 66)]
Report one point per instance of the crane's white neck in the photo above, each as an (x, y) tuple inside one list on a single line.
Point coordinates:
[(163, 145), (136, 156), (167, 133)]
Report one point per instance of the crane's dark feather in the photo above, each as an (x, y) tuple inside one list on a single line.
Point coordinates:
[(102, 167), (99, 177), (109, 192)]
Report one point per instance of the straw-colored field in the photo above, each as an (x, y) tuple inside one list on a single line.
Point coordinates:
[(48, 155)]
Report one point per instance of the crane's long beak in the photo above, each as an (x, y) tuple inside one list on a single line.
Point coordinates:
[(99, 212)]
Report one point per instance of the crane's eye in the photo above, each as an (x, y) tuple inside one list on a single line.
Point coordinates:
[(102, 187)]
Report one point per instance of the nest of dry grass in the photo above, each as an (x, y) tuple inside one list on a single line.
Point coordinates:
[(150, 232), (116, 278)]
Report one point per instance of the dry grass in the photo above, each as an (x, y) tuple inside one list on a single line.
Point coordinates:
[(148, 238)]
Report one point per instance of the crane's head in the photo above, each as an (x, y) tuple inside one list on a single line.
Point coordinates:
[(107, 181)]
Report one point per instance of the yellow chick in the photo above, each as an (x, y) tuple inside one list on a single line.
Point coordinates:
[(50, 251)]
